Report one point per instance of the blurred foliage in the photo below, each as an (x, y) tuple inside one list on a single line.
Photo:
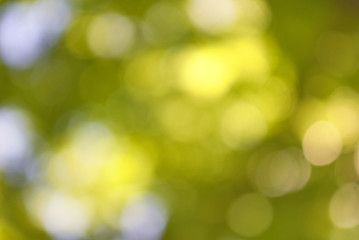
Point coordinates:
[(186, 119)]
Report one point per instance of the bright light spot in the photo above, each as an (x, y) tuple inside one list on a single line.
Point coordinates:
[(209, 71), (282, 172), (205, 73), (322, 143), (94, 144), (97, 164), (212, 15), (110, 35), (220, 16), (14, 139), (143, 218), (250, 215), (27, 30), (243, 125), (63, 216), (344, 206)]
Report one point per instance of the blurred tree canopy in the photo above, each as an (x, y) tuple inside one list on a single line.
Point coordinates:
[(185, 119)]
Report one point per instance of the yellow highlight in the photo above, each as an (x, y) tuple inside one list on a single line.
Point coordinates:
[(96, 164), (208, 72), (205, 73)]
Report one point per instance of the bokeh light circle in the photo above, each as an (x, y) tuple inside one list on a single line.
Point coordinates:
[(344, 206), (250, 215), (322, 143)]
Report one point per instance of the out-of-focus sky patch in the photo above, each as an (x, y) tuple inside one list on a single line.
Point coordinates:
[(143, 217), (15, 139), (28, 29)]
